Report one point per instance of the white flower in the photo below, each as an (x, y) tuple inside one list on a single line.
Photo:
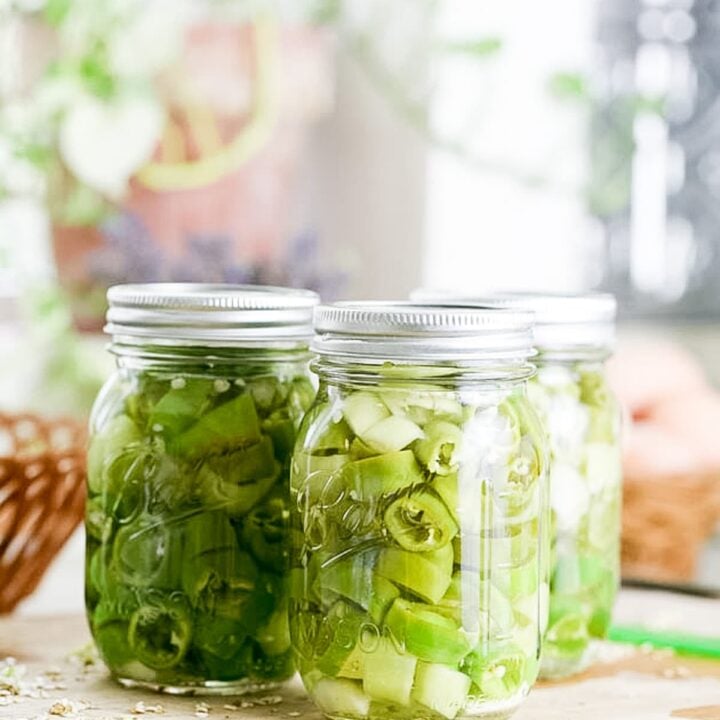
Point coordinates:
[(105, 143), (151, 39)]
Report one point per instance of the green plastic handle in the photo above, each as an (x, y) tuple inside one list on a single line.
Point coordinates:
[(682, 643)]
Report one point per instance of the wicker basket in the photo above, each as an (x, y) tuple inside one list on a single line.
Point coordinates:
[(42, 490), (666, 522)]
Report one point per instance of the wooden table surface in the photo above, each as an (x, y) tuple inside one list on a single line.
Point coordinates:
[(624, 683)]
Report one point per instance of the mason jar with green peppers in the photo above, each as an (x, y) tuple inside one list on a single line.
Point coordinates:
[(419, 515), (574, 335), (188, 494)]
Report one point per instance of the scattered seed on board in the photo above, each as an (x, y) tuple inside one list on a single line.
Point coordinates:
[(142, 708)]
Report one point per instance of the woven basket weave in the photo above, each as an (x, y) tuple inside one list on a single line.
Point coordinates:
[(42, 491), (666, 522)]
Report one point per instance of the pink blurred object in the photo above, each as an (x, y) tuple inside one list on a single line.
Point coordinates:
[(643, 372), (672, 413)]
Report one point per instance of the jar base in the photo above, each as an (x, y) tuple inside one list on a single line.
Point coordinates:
[(488, 710), (211, 687), (559, 668)]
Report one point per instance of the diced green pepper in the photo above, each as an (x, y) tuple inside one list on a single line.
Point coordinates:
[(391, 434), (381, 475), (113, 441), (339, 698), (344, 622), (426, 575), (265, 532), (363, 410), (185, 401), (441, 688), (229, 426), (426, 634), (389, 674)]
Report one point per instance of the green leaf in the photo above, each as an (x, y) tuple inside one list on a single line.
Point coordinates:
[(569, 86), (83, 206), (326, 11), (479, 47), (56, 11), (96, 76)]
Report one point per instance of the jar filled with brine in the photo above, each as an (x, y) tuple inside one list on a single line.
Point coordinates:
[(418, 515), (574, 335), (187, 566)]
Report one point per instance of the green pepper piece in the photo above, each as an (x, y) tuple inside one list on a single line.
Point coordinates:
[(324, 430), (381, 475), (524, 580), (427, 575), (566, 578), (340, 698), (274, 636), (438, 450), (217, 576), (235, 667), (314, 476), (360, 450), (268, 667), (350, 578), (229, 426), (362, 410), (388, 674), (498, 671), (148, 553), (98, 524), (301, 395), (220, 637), (185, 401), (426, 634), (446, 486), (126, 482), (419, 520), (106, 444), (568, 635), (441, 689), (344, 622), (450, 604), (113, 644), (265, 532), (246, 465), (355, 579), (160, 633), (235, 482), (281, 430), (268, 393), (391, 434), (597, 396)]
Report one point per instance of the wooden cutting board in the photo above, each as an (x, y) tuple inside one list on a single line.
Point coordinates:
[(627, 683)]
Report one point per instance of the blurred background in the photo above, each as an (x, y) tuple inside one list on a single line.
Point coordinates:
[(363, 148)]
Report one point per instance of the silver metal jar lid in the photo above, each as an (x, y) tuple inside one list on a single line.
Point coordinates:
[(407, 332), (562, 322), (206, 314)]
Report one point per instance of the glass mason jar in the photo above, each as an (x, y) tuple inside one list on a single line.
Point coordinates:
[(418, 507), (187, 567), (574, 335)]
